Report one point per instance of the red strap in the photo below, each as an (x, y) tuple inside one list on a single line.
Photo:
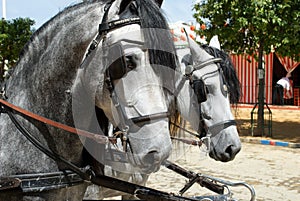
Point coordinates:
[(97, 137), (188, 141)]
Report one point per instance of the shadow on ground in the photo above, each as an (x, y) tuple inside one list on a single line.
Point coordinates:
[(288, 131)]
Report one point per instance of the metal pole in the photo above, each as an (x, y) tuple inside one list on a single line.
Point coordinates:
[(4, 9), (261, 91)]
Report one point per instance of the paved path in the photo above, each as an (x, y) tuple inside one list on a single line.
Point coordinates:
[(274, 172)]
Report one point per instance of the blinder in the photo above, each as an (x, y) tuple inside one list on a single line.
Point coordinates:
[(117, 62), (200, 89)]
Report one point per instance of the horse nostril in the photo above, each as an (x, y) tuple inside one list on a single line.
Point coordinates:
[(232, 150), (151, 157)]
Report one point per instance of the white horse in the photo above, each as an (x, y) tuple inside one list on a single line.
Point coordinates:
[(215, 84)]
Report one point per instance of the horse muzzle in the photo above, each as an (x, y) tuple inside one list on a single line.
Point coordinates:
[(225, 145), (150, 145)]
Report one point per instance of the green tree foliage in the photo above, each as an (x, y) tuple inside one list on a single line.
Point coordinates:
[(242, 25), (14, 34), (251, 26)]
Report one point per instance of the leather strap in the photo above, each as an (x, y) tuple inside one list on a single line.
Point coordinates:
[(97, 137), (108, 26), (217, 128), (188, 141), (9, 183), (206, 63), (39, 182), (150, 117)]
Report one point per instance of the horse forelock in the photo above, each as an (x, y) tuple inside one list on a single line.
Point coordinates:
[(157, 35), (229, 72), (159, 42)]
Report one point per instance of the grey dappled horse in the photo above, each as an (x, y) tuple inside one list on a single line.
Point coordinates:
[(48, 77)]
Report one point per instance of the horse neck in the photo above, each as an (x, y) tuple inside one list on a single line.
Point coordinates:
[(49, 62), (48, 66)]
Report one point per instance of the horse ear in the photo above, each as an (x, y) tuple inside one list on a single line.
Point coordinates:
[(214, 42), (124, 5), (159, 2)]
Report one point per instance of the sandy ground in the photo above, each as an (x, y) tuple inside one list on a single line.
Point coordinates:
[(272, 171), (285, 122)]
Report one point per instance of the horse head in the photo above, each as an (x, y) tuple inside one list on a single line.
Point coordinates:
[(214, 88), (119, 76)]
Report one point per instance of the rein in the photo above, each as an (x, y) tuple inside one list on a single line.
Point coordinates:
[(6, 106)]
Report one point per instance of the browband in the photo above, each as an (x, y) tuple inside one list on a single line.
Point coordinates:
[(108, 26)]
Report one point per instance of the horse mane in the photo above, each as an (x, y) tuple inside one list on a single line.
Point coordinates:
[(41, 29), (229, 72), (49, 22)]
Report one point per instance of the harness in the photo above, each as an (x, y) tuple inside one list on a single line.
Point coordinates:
[(76, 175)]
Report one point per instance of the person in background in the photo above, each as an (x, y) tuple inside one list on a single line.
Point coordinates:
[(283, 83)]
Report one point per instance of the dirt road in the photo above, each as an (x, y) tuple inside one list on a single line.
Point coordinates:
[(274, 172)]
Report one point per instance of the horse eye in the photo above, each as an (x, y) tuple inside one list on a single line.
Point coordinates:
[(209, 89), (130, 63)]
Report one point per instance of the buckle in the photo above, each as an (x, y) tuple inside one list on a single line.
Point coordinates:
[(9, 183), (103, 27), (205, 144)]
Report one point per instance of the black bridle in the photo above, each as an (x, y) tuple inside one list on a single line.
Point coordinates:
[(118, 68)]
